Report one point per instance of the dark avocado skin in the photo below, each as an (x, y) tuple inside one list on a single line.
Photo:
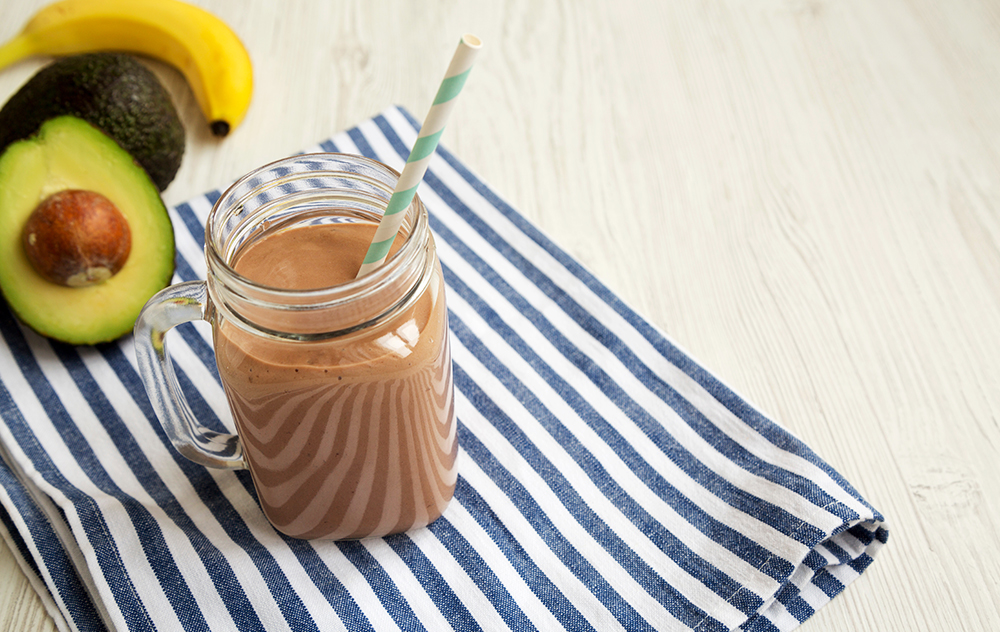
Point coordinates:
[(113, 92)]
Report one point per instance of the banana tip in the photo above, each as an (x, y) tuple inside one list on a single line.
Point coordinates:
[(219, 128)]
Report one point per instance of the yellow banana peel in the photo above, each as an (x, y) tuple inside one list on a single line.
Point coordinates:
[(200, 45)]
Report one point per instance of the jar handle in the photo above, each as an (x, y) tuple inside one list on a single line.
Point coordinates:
[(170, 307)]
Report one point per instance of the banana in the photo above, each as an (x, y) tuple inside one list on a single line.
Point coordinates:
[(201, 46)]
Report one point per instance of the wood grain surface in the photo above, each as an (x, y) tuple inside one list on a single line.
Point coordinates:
[(803, 194)]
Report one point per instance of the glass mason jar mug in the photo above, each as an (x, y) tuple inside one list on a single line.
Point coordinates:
[(340, 388)]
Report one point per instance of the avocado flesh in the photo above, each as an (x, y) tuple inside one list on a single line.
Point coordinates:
[(68, 153), (112, 91)]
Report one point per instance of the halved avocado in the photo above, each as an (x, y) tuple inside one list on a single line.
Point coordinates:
[(68, 153)]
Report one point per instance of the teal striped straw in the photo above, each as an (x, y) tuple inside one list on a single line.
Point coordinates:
[(421, 152)]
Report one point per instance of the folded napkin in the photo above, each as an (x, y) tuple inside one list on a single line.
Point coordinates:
[(606, 480)]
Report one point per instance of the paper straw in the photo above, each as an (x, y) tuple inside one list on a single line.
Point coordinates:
[(421, 152)]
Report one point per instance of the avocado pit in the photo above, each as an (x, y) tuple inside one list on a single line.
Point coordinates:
[(77, 238)]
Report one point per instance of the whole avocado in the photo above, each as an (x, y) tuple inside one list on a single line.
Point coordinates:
[(113, 92)]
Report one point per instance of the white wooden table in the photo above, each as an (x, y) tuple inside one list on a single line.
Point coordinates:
[(805, 195)]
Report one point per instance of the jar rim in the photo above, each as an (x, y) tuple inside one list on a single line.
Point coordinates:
[(324, 296)]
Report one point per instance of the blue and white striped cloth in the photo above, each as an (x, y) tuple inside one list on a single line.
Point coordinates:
[(606, 480)]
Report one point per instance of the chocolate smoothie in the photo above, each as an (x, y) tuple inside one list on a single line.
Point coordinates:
[(351, 436)]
